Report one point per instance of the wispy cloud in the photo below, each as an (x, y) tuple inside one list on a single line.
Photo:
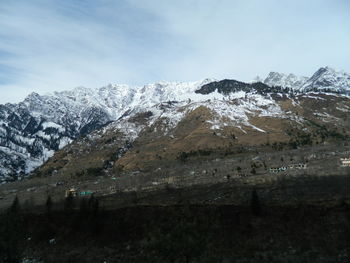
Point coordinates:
[(48, 45)]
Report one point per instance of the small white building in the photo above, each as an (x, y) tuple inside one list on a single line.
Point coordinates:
[(345, 162)]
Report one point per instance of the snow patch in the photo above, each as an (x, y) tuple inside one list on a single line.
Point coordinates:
[(53, 125)]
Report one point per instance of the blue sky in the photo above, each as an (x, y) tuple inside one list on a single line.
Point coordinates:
[(48, 45)]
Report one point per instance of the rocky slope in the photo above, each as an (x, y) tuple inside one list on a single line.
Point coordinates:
[(122, 121)]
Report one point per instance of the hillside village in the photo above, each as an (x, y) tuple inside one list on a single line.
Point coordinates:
[(225, 196), (248, 168)]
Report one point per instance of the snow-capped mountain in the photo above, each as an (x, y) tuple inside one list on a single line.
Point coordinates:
[(325, 79), (31, 131), (328, 79), (285, 81)]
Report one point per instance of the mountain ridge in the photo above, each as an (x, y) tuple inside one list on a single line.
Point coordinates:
[(33, 130), (325, 79)]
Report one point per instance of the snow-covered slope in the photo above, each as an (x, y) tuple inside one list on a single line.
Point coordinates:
[(31, 131), (158, 136)]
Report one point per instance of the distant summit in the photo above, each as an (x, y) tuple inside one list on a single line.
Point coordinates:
[(328, 80), (285, 81), (325, 79)]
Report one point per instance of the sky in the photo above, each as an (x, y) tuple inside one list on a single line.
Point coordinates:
[(53, 45)]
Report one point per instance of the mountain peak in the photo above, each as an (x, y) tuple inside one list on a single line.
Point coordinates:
[(284, 80), (325, 79), (328, 79)]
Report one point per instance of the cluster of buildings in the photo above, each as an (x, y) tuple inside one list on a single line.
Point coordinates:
[(285, 168), (345, 162)]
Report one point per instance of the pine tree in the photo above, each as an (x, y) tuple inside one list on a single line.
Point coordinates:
[(253, 171), (69, 202), (255, 204), (48, 205), (15, 208), (12, 234)]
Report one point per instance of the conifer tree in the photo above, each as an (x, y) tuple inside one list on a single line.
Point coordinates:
[(69, 202), (48, 205), (255, 203)]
